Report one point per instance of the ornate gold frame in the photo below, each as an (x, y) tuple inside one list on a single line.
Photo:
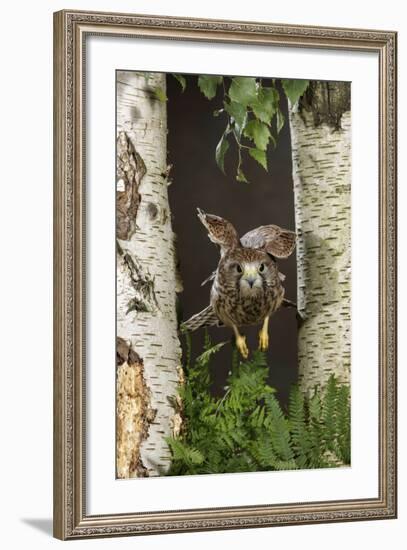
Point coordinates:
[(70, 518)]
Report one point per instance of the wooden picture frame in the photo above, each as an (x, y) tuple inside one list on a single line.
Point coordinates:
[(71, 519)]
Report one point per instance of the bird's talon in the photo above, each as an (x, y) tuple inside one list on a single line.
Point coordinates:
[(263, 341), (242, 346)]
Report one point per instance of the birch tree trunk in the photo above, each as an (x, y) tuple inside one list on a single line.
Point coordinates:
[(148, 349), (320, 126)]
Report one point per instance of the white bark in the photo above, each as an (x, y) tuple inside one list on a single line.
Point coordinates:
[(321, 157), (146, 314)]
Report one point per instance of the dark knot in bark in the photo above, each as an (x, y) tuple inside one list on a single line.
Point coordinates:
[(327, 101)]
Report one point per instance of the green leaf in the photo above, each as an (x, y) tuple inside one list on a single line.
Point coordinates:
[(160, 94), (243, 90), (273, 140), (208, 85), (279, 120), (240, 176), (258, 132), (294, 89), (181, 79), (237, 111), (260, 156), (220, 152), (265, 104)]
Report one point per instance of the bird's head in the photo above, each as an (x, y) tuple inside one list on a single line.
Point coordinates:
[(250, 269)]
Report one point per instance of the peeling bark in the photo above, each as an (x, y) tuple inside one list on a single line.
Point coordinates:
[(129, 173), (321, 151), (143, 298), (134, 413), (327, 102), (146, 261)]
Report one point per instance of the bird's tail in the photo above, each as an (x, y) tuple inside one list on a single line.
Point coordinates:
[(205, 318)]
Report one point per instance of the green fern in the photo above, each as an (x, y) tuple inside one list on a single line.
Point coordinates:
[(278, 428), (298, 428), (210, 350), (342, 443), (184, 453), (247, 430), (329, 412), (315, 430)]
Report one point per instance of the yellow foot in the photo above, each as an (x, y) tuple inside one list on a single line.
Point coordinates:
[(263, 340), (242, 346)]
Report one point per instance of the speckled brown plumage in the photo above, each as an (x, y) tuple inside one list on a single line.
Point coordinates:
[(271, 238), (220, 231), (234, 300), (247, 286)]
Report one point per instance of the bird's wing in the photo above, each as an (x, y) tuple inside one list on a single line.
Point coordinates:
[(210, 278), (220, 231), (205, 318), (272, 239)]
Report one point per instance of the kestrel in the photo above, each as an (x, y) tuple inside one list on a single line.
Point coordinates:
[(247, 286)]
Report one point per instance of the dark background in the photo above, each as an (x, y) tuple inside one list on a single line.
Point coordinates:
[(193, 133)]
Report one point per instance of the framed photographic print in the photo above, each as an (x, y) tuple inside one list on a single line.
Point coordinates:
[(225, 274)]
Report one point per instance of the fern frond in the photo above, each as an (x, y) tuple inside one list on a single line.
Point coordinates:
[(188, 352), (315, 428), (184, 453), (207, 340), (297, 425), (343, 424), (279, 431), (263, 452), (286, 465), (329, 413), (205, 357), (247, 430), (235, 358)]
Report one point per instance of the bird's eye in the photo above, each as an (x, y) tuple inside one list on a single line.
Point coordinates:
[(261, 268), (239, 268)]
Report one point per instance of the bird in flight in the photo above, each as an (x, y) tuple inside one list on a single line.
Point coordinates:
[(247, 285)]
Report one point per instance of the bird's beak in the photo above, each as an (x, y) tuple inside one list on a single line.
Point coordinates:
[(250, 274)]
